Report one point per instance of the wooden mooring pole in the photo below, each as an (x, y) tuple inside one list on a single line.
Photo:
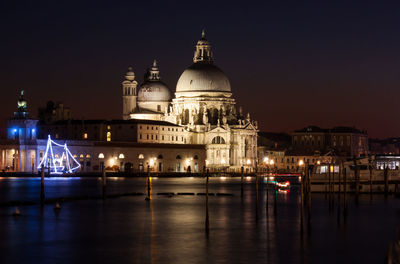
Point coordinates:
[(301, 204), (386, 178), (241, 181), (148, 196), (370, 176), (256, 196), (104, 183), (42, 186), (207, 223), (357, 177)]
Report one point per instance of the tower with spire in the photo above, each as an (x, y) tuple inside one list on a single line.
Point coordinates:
[(129, 94), (21, 126)]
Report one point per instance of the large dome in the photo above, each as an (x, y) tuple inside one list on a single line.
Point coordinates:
[(154, 91), (202, 76)]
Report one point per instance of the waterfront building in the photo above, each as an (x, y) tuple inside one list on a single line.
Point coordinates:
[(116, 145), (340, 141), (200, 126)]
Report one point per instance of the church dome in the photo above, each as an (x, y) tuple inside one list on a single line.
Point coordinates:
[(202, 76), (154, 91), (130, 75)]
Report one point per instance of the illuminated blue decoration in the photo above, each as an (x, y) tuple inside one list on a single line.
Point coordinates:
[(58, 158)]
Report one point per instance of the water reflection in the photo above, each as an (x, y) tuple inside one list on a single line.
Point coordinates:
[(171, 229)]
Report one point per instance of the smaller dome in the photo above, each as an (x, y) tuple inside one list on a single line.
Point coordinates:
[(130, 75), (154, 91)]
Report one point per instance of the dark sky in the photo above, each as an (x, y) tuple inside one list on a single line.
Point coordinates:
[(290, 64)]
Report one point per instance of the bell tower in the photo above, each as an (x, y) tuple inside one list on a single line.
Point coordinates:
[(129, 94)]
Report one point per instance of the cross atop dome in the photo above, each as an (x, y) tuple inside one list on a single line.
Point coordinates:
[(203, 50)]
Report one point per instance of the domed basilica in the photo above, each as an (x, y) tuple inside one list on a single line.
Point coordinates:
[(203, 105)]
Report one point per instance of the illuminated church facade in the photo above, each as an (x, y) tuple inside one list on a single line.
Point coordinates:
[(203, 105)]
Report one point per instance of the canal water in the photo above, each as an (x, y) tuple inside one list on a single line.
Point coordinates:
[(172, 230)]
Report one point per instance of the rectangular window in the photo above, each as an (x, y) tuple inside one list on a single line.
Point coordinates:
[(156, 137), (162, 137), (159, 108), (151, 136), (140, 136), (147, 136), (85, 136)]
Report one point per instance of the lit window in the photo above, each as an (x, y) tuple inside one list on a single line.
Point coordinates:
[(141, 156), (121, 156), (108, 127), (218, 140), (101, 156), (108, 136), (85, 135)]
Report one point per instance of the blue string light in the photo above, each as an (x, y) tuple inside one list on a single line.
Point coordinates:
[(56, 164)]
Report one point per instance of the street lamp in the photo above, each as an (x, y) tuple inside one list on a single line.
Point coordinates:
[(101, 157)]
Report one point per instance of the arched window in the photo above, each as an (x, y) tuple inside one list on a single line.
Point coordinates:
[(218, 140), (196, 157), (141, 156), (160, 156), (178, 157)]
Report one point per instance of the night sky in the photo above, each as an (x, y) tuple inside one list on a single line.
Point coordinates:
[(290, 64)]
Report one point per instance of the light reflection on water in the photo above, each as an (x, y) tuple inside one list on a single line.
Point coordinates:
[(172, 229)]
